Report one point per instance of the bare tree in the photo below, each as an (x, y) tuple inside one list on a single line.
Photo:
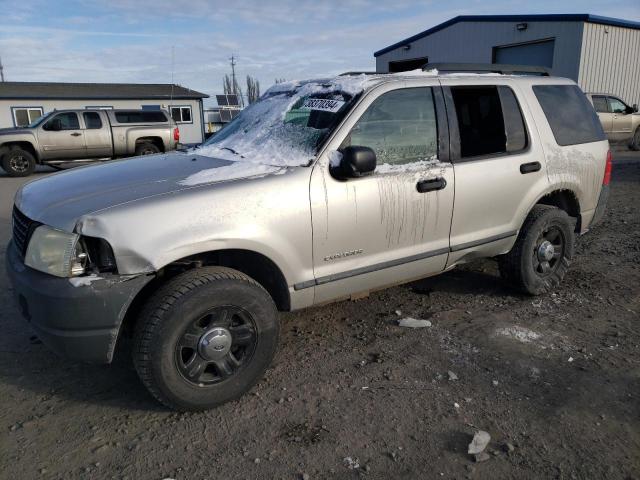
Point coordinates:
[(280, 80), (231, 87), (253, 89)]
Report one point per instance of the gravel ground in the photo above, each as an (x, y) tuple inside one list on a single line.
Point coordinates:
[(555, 381)]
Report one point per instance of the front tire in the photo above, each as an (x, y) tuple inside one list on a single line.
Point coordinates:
[(205, 338), (541, 256), (18, 163)]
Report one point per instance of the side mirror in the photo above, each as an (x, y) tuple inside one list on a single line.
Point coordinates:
[(355, 162), (635, 108)]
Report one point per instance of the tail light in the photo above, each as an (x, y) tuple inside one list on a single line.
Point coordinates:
[(607, 170), (176, 134)]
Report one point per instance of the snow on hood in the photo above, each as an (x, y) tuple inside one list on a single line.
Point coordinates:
[(260, 136)]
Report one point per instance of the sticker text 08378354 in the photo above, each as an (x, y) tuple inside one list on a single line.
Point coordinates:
[(322, 104)]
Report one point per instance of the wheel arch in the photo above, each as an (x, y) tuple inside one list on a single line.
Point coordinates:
[(256, 265), (564, 199), (157, 141), (23, 144)]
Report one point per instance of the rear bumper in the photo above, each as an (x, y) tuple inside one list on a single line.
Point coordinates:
[(601, 207), (80, 322)]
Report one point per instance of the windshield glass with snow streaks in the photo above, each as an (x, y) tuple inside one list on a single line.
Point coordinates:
[(287, 125)]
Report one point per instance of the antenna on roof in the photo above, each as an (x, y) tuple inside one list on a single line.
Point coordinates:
[(1, 71)]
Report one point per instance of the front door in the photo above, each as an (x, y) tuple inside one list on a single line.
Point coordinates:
[(622, 120), (393, 225), (61, 137)]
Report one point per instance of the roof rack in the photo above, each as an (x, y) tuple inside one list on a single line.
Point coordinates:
[(488, 67)]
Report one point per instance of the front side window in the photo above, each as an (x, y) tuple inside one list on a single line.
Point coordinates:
[(181, 114), (63, 121), (600, 104), (400, 126), (92, 120), (617, 106), (23, 117)]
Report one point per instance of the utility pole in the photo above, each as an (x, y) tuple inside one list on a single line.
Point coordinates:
[(233, 74), (1, 71)]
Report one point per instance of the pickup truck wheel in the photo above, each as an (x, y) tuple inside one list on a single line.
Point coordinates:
[(146, 148), (18, 163), (204, 338), (542, 253), (635, 142)]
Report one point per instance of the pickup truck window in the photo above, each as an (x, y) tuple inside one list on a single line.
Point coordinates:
[(400, 126), (92, 120), (146, 116), (63, 121)]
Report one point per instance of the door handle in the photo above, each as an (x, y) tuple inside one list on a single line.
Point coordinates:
[(431, 185), (75, 134), (530, 167)]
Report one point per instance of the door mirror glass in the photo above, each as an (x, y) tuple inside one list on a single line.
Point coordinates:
[(355, 162)]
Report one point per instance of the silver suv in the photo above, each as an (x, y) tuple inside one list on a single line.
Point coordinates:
[(322, 190)]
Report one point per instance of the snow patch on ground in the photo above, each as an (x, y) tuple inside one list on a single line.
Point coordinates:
[(521, 334), (84, 281)]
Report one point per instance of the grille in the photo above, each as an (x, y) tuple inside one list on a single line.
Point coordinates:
[(23, 227)]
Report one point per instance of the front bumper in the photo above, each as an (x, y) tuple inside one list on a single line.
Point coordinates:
[(80, 322)]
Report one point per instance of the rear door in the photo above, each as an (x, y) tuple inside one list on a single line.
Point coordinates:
[(97, 134), (622, 120), (384, 228), (498, 169), (601, 106), (61, 137)]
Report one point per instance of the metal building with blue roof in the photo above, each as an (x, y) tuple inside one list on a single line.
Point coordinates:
[(602, 54)]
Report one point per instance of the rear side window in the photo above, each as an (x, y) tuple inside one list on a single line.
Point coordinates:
[(489, 121), (570, 115), (92, 120), (146, 116), (600, 104)]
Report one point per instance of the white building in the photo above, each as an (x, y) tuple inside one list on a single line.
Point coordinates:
[(23, 102), (601, 54)]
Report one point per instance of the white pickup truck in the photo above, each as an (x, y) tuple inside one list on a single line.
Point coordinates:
[(79, 135)]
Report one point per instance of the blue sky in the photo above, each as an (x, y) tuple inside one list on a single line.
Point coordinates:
[(131, 41)]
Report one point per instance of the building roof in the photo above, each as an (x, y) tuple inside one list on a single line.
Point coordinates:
[(569, 17), (95, 91)]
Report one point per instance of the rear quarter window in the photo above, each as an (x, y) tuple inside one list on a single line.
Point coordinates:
[(143, 116), (570, 115)]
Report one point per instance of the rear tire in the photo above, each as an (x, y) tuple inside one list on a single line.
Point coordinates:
[(18, 163), (543, 251), (146, 148), (635, 141), (205, 338)]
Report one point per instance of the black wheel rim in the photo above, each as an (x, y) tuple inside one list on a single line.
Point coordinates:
[(548, 251), (19, 163), (148, 151), (216, 346)]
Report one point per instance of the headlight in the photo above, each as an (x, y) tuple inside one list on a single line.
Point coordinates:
[(55, 252)]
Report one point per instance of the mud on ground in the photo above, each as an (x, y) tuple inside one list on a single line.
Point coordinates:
[(555, 380)]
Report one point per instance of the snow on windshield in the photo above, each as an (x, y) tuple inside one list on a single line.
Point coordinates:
[(282, 129)]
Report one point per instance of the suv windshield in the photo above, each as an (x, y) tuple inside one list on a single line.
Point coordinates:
[(286, 127)]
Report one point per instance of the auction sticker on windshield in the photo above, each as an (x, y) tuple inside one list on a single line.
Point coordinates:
[(323, 104)]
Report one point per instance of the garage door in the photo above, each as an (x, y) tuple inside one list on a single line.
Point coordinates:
[(538, 53)]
